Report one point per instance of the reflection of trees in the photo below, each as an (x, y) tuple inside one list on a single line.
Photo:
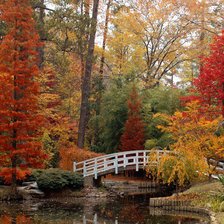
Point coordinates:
[(131, 213), (124, 212), (40, 213), (109, 212), (5, 219), (17, 219)]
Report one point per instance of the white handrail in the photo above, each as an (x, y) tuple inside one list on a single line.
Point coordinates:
[(102, 164)]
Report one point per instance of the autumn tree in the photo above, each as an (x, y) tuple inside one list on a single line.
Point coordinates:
[(66, 51), (68, 26), (158, 40), (148, 41), (210, 83), (206, 22), (84, 110), (195, 143), (99, 79), (133, 137), (40, 7), (19, 120)]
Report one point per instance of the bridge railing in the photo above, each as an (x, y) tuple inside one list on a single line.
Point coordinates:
[(102, 164)]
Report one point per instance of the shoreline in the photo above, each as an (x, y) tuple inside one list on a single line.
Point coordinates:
[(199, 199)]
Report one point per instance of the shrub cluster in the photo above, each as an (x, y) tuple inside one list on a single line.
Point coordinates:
[(56, 179), (35, 174)]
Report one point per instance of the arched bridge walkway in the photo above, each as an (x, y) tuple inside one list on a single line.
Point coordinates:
[(113, 163)]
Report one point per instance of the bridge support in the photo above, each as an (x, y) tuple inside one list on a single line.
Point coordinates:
[(92, 182)]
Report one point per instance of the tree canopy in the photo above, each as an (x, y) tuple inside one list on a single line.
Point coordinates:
[(67, 69), (19, 115)]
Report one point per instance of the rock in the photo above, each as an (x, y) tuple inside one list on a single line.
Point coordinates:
[(31, 190), (28, 183), (32, 185)]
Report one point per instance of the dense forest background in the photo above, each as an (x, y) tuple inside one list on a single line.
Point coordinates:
[(98, 56), (155, 45)]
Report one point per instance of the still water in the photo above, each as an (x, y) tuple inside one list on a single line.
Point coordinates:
[(98, 211)]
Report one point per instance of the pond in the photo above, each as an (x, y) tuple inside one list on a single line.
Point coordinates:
[(96, 211)]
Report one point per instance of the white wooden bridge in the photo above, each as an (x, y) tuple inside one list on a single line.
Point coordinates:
[(113, 163)]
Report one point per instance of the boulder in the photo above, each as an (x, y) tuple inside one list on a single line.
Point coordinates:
[(31, 190)]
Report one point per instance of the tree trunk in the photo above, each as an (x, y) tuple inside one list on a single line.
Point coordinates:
[(13, 189), (99, 96), (87, 77), (202, 34), (42, 34)]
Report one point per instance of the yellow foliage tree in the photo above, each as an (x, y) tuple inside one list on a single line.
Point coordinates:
[(195, 143)]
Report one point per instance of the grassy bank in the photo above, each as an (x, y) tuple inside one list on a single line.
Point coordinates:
[(209, 195)]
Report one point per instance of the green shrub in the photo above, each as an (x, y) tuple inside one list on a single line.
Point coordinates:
[(56, 179), (34, 175), (74, 180)]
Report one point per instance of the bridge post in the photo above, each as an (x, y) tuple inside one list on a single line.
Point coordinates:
[(136, 161), (74, 166), (95, 168), (84, 169), (144, 159), (125, 160), (116, 165), (90, 181)]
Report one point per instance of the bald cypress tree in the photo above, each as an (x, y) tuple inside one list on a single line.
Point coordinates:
[(133, 137), (19, 120)]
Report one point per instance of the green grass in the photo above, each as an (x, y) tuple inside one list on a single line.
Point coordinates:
[(206, 187), (210, 195)]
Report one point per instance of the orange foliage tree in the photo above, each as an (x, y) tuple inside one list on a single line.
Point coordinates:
[(73, 154), (133, 137), (19, 120)]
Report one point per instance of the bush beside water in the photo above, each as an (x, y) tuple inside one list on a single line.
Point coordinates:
[(56, 179)]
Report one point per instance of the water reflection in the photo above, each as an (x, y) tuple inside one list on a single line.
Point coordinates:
[(19, 219), (91, 212)]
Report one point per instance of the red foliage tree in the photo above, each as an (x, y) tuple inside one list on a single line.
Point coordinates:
[(133, 137), (19, 120), (210, 83)]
